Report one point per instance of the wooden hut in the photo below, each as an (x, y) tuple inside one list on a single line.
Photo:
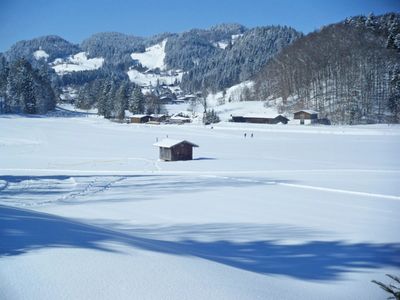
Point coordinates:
[(158, 117), (306, 116), (140, 118), (281, 119), (173, 150)]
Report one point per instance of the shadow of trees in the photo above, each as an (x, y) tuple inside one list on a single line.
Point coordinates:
[(22, 231)]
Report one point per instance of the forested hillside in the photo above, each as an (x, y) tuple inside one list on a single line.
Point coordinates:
[(349, 72), (243, 57)]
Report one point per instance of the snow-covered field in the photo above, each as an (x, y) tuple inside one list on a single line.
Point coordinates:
[(88, 212)]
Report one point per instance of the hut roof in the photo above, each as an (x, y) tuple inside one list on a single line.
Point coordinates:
[(139, 116), (309, 111), (169, 143)]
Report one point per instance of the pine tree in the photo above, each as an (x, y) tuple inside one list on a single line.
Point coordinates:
[(4, 70), (136, 101), (109, 113), (103, 104), (153, 105), (120, 102)]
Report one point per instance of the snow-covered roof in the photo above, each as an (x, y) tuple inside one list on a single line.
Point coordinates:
[(261, 116), (179, 118), (139, 116), (309, 111), (169, 143)]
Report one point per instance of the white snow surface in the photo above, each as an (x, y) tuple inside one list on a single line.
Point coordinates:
[(87, 211), (235, 37), (221, 45), (153, 57), (77, 62), (148, 78), (232, 94), (40, 54)]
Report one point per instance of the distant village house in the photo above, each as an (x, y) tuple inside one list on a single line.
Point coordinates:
[(307, 116), (140, 119), (261, 119)]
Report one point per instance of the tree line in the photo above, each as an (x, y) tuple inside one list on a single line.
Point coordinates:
[(113, 97), (24, 89), (349, 72)]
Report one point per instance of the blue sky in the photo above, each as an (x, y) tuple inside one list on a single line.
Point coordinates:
[(76, 20)]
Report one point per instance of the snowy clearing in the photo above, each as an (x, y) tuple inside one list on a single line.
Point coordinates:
[(147, 79), (153, 57), (87, 211), (232, 94), (77, 62), (41, 54)]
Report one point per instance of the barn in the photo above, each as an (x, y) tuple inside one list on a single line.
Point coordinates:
[(306, 116), (158, 117), (140, 118), (173, 150), (261, 119)]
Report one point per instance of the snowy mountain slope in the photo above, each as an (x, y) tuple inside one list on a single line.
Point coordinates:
[(234, 93), (153, 57)]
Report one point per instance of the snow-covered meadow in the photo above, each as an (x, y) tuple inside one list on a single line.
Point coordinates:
[(87, 211)]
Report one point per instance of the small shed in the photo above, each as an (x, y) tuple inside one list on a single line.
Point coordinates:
[(173, 150), (281, 119), (140, 118), (306, 114), (158, 117), (179, 120)]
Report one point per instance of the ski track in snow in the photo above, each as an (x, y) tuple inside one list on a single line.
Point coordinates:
[(324, 189), (92, 188), (317, 188), (101, 184)]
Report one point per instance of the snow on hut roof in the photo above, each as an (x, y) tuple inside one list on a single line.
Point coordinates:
[(262, 116), (139, 116), (169, 143), (309, 111)]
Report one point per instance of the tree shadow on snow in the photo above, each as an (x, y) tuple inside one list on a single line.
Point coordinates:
[(36, 190), (22, 231)]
